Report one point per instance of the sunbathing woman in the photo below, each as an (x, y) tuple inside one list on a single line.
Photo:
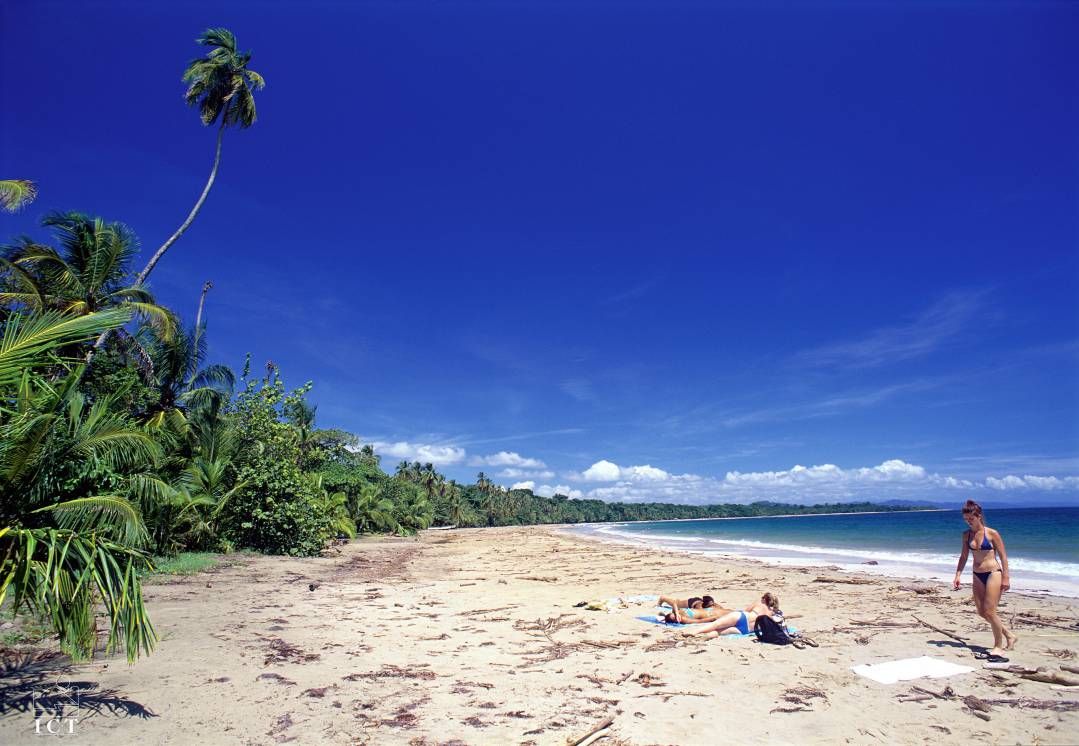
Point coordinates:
[(686, 609), (990, 575), (738, 622)]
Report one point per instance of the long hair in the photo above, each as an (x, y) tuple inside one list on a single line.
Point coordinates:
[(770, 600), (972, 508)]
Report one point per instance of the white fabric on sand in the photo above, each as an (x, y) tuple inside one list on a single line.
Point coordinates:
[(909, 668)]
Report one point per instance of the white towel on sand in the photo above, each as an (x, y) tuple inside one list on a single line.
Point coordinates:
[(909, 668)]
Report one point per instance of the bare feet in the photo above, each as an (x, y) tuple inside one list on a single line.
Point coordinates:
[(997, 652), (1012, 639)]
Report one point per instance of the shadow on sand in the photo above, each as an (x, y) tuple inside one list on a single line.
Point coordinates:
[(45, 684)]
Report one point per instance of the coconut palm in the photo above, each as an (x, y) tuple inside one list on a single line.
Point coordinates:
[(88, 273), (372, 512), (16, 194), (64, 550), (177, 379), (220, 84)]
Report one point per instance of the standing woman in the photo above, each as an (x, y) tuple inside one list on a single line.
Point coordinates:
[(990, 573)]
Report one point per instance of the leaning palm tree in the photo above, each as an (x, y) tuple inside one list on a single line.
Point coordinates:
[(224, 89), (16, 194)]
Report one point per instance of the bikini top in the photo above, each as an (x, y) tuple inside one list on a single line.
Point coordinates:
[(986, 544)]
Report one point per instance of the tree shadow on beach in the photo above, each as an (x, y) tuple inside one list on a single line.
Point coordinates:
[(44, 684)]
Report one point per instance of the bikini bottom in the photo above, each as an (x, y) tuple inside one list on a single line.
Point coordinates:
[(984, 576)]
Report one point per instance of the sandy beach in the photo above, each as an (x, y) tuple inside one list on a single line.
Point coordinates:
[(473, 637)]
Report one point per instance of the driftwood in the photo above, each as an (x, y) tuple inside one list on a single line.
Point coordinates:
[(921, 590), (913, 697), (976, 704), (944, 632), (1056, 705), (845, 581), (1010, 668), (1035, 674), (946, 693), (1050, 677), (592, 735), (1042, 622), (1069, 669)]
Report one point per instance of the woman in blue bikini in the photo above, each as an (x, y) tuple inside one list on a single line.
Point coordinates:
[(738, 622), (990, 573)]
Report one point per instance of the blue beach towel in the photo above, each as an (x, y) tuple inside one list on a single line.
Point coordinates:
[(653, 620)]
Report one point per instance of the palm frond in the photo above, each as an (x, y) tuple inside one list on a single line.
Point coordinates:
[(60, 573), (33, 297), (108, 513), (16, 194), (30, 341)]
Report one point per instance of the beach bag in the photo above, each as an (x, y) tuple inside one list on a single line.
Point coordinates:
[(766, 630)]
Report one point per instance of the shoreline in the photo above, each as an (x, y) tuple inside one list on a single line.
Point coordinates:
[(860, 570), (1036, 577)]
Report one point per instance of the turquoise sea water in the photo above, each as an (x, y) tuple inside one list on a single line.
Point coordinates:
[(1042, 543)]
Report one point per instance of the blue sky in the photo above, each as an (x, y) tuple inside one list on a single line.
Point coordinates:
[(679, 251)]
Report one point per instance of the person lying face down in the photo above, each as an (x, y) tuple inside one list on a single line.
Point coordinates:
[(702, 608), (739, 622)]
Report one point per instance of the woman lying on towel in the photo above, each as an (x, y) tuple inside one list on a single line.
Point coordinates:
[(739, 622), (684, 610)]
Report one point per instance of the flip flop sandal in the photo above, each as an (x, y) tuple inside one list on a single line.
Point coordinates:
[(810, 642), (997, 659), (799, 643)]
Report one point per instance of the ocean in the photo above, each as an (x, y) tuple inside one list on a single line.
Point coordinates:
[(1042, 543)]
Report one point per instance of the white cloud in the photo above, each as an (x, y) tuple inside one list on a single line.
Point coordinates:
[(547, 490), (527, 485), (1028, 481), (507, 458), (645, 473), (891, 479), (440, 455), (522, 473), (602, 471)]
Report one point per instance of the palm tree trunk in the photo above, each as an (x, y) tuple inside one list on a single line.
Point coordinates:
[(141, 279), (198, 323)]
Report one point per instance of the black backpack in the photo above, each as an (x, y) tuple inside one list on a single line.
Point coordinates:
[(767, 630)]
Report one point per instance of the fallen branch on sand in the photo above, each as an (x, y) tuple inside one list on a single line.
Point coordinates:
[(944, 632), (1037, 620), (1066, 705), (921, 590), (391, 671), (593, 735), (667, 695), (946, 693), (1040, 674), (846, 581)]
